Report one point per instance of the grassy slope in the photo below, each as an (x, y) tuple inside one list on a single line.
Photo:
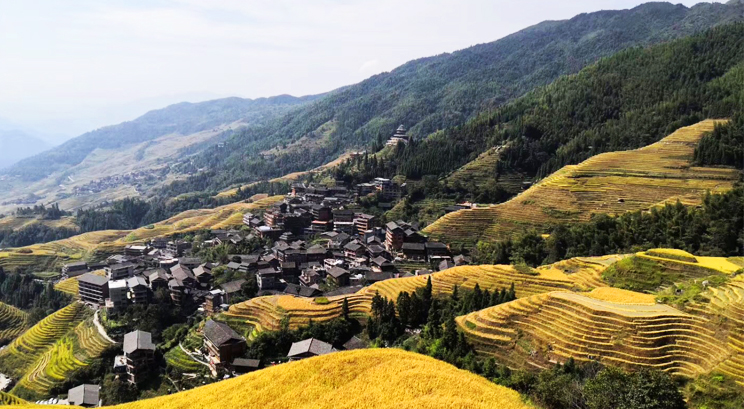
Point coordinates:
[(641, 178)]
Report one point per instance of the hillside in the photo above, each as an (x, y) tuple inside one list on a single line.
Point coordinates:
[(545, 328), (266, 313), (12, 323), (100, 244), (609, 183), (130, 158), (444, 91), (696, 330), (328, 382)]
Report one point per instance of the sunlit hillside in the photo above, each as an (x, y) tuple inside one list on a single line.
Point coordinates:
[(266, 313), (12, 322), (609, 183), (355, 379), (692, 326), (106, 242)]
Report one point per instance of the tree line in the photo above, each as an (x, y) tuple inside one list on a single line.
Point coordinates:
[(715, 228)]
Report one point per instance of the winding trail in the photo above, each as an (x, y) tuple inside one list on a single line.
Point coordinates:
[(101, 330), (192, 356)]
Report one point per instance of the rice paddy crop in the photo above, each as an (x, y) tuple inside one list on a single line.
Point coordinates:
[(12, 322), (610, 183), (343, 380), (619, 296), (267, 313), (8, 399), (721, 265), (178, 359), (672, 254), (68, 354), (52, 350), (562, 325)]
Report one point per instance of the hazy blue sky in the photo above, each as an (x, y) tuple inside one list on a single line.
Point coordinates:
[(71, 66)]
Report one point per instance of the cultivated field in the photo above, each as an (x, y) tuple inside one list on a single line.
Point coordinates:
[(68, 354), (8, 399), (344, 380), (266, 313), (47, 353), (617, 329), (18, 222), (610, 183), (482, 171), (621, 327), (99, 244), (12, 322)]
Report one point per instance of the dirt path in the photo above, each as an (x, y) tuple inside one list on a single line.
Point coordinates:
[(101, 330), (192, 356)]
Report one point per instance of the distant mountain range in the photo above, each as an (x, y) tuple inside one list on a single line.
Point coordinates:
[(16, 145), (273, 136), (444, 91)]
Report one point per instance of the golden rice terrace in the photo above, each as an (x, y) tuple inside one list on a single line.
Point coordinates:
[(610, 183)]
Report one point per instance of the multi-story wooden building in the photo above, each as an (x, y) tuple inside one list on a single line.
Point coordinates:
[(93, 289), (139, 352)]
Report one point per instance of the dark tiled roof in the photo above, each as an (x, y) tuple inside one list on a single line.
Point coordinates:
[(337, 272), (414, 246), (246, 363), (233, 286), (93, 279), (137, 340), (181, 272), (436, 245), (219, 333), (354, 343)]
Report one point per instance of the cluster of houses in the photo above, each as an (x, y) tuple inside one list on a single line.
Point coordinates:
[(133, 277), (110, 182), (322, 243)]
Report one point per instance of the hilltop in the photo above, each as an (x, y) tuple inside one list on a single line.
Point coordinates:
[(444, 91), (354, 379), (609, 183), (130, 158)]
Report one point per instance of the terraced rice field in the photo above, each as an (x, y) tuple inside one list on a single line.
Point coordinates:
[(326, 381), (180, 360), (21, 355), (725, 306), (8, 399), (706, 264), (100, 244), (610, 183), (481, 171), (266, 313), (545, 328), (70, 285), (12, 322), (65, 356)]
